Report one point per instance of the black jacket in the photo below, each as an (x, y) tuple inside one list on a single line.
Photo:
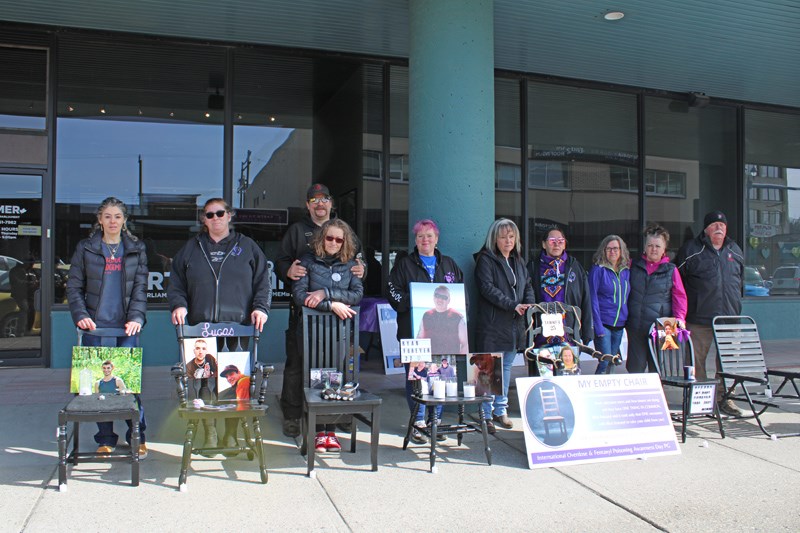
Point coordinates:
[(713, 280), (242, 287), (499, 327), (85, 283), (334, 277), (296, 244), (410, 269), (576, 293), (651, 295)]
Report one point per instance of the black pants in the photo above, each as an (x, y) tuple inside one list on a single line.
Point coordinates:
[(292, 393)]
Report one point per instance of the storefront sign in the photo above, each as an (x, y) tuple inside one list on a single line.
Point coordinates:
[(20, 218), (584, 419)]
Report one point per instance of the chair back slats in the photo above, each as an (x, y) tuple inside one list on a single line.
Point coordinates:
[(238, 338), (330, 342), (739, 349), (669, 363)]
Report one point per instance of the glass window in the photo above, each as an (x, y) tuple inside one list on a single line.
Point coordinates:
[(582, 160), (143, 122), (398, 194), (772, 178), (508, 152), (24, 88), (689, 160), (272, 148), (371, 230)]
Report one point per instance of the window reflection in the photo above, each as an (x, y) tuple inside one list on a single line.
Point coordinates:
[(772, 178)]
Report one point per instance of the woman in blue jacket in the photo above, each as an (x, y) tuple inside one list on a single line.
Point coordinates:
[(609, 285)]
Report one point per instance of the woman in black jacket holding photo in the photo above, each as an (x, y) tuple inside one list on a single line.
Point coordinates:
[(505, 291), (329, 285), (107, 288)]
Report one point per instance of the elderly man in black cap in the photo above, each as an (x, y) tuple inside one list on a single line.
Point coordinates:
[(712, 268), (295, 244)]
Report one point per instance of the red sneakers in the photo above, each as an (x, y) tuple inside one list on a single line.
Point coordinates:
[(327, 442), (333, 442), (321, 442)]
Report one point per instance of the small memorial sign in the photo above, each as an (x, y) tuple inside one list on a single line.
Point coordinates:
[(703, 395), (415, 350)]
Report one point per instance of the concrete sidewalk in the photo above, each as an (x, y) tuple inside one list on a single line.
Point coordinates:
[(745, 482)]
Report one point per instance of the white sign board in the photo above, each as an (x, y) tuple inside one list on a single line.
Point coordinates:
[(703, 396), (387, 324), (583, 419), (415, 350)]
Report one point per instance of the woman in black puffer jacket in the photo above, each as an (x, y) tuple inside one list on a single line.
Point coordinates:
[(107, 288), (329, 285)]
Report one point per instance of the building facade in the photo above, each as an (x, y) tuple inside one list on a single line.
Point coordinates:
[(445, 121)]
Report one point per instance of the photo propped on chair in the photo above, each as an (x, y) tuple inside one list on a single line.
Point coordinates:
[(670, 333), (441, 367), (486, 371), (122, 365), (233, 380), (439, 313)]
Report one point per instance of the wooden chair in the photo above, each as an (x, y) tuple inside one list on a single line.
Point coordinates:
[(247, 412), (97, 408), (669, 364), (551, 412), (329, 342), (535, 340), (741, 364)]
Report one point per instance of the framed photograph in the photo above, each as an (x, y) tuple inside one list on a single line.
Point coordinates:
[(439, 313), (319, 378), (441, 366), (111, 370), (486, 371), (200, 357), (233, 378)]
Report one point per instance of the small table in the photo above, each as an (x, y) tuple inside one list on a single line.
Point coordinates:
[(96, 408), (364, 403), (245, 410), (459, 428)]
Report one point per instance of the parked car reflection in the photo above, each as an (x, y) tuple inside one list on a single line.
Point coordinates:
[(20, 311), (786, 280), (754, 284)]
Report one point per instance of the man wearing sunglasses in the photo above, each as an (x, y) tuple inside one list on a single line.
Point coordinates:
[(294, 246)]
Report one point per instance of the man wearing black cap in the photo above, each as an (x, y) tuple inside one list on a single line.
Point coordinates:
[(712, 269), (295, 245)]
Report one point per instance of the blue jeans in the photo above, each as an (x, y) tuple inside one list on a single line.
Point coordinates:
[(500, 403), (608, 343), (105, 435)]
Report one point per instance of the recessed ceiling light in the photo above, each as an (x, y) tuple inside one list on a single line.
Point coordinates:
[(208, 115), (103, 110), (272, 119), (614, 15), (70, 108)]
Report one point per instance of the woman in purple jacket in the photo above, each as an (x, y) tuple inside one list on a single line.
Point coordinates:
[(609, 285)]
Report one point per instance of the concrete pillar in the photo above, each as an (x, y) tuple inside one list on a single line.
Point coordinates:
[(451, 122)]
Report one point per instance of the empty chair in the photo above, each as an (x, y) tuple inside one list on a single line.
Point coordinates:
[(551, 412), (237, 406), (669, 362), (330, 342), (741, 365)]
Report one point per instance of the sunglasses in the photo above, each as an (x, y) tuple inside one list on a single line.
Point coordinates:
[(441, 296), (331, 238), (212, 214), (322, 200), (556, 240)]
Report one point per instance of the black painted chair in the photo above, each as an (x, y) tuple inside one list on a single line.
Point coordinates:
[(246, 412), (97, 408), (670, 365), (330, 342)]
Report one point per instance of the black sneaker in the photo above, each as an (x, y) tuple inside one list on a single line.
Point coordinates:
[(490, 427), (417, 437), (291, 427)]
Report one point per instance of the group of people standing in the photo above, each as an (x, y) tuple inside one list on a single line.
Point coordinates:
[(221, 275)]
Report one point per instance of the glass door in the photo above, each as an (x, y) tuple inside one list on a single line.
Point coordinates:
[(21, 269)]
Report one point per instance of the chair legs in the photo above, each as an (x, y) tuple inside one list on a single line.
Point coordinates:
[(191, 430)]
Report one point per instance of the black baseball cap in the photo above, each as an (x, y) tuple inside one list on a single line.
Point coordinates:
[(316, 189)]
